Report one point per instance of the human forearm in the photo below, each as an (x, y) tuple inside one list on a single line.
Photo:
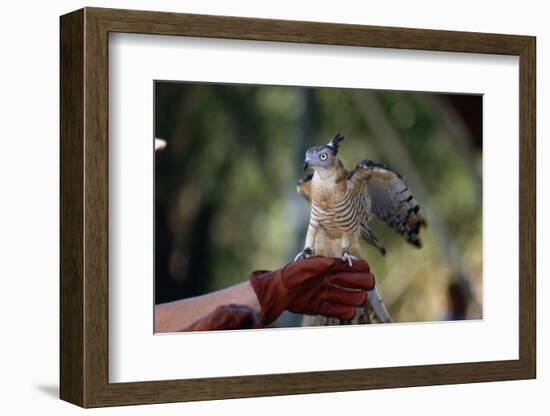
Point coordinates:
[(173, 316)]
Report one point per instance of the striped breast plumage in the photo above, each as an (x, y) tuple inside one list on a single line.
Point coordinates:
[(338, 209)]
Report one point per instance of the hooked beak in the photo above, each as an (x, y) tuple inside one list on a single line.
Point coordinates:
[(307, 163)]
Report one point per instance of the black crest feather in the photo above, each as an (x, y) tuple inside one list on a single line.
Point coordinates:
[(334, 144)]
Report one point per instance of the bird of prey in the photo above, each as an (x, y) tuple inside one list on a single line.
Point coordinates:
[(344, 202)]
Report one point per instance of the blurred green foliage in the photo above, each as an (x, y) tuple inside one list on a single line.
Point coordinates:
[(225, 187)]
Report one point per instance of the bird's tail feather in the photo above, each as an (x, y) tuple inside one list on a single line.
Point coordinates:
[(368, 235)]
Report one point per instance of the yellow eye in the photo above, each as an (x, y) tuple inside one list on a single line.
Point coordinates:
[(323, 156)]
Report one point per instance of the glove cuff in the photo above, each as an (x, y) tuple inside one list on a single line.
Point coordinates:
[(271, 294)]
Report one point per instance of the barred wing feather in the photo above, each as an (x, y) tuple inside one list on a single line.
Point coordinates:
[(391, 199)]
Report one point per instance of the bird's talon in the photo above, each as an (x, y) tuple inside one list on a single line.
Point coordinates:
[(349, 258), (306, 253)]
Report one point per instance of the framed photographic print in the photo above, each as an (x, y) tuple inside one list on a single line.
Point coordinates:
[(255, 207)]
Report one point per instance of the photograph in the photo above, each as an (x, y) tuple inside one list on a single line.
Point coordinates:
[(272, 205), (294, 206)]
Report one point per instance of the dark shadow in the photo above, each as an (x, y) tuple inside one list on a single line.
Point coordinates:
[(49, 390)]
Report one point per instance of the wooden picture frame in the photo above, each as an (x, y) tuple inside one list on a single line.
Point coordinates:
[(84, 207)]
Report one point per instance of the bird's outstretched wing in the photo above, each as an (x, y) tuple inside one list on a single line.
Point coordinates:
[(391, 199)]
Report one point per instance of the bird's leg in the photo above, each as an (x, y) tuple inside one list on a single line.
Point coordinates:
[(345, 249), (309, 248)]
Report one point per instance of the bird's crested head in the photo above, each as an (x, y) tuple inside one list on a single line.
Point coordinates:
[(323, 156)]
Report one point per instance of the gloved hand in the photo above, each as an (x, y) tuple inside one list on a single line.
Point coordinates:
[(314, 286), (227, 317)]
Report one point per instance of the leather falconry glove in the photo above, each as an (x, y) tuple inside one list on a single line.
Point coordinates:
[(314, 286), (227, 317)]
